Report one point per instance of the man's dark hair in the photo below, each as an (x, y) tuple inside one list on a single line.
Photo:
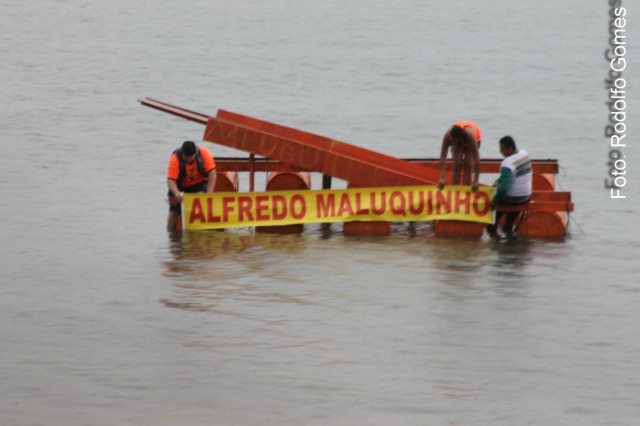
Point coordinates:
[(508, 142), (188, 148), (458, 132)]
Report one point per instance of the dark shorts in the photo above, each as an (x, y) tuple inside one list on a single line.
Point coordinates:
[(515, 200), (510, 216), (465, 146), (464, 149), (174, 205)]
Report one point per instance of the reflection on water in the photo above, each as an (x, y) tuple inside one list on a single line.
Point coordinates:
[(305, 312), (210, 266), (513, 255), (209, 244), (410, 246), (190, 247)]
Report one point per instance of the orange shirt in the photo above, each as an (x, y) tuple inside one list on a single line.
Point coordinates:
[(193, 176), (471, 124)]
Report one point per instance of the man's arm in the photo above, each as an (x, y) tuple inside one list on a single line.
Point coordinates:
[(173, 187), (212, 176), (504, 183), (443, 159), (475, 155)]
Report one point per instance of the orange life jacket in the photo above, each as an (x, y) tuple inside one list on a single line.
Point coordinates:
[(475, 128), (183, 167)]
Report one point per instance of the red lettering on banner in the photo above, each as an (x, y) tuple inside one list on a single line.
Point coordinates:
[(302, 206), (412, 205), (481, 196), (227, 208), (383, 203), (326, 206), (196, 212), (345, 205), (359, 209), (244, 207), (441, 202), (210, 217), (279, 202), (262, 205), (396, 201), (466, 202), (397, 208)]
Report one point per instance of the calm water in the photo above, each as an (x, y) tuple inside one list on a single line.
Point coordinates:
[(105, 319)]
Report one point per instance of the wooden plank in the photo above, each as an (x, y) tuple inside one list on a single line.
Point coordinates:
[(333, 158), (543, 206), (486, 166)]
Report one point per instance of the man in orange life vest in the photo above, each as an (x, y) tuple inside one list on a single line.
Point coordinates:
[(191, 169), (464, 139)]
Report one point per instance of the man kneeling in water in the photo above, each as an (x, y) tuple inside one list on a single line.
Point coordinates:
[(191, 169)]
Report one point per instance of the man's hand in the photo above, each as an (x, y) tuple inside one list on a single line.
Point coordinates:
[(441, 183), (180, 197), (474, 187)]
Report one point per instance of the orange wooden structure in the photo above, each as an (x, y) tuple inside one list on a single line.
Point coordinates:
[(290, 154)]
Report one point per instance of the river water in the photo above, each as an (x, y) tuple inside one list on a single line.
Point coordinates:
[(106, 319)]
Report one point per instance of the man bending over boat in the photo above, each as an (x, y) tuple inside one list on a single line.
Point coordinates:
[(191, 169), (513, 187), (464, 139)]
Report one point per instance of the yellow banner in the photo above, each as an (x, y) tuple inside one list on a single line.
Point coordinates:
[(392, 204)]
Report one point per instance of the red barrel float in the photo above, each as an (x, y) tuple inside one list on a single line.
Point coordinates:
[(540, 224), (358, 227), (226, 182), (286, 181), (457, 228), (543, 182)]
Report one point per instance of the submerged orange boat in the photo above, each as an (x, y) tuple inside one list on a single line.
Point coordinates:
[(290, 155)]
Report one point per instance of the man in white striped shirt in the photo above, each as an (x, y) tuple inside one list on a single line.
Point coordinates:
[(514, 184)]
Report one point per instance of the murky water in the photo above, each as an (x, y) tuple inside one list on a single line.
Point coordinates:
[(105, 319)]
